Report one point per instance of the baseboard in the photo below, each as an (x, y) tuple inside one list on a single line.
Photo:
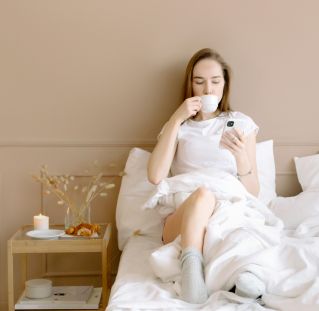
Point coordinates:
[(123, 143)]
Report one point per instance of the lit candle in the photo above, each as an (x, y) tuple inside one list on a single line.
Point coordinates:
[(40, 222)]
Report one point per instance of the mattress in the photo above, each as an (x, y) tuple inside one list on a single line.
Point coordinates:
[(137, 288)]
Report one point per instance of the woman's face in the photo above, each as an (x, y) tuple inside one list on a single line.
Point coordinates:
[(208, 78)]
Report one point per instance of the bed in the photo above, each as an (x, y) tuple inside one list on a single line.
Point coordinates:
[(137, 287)]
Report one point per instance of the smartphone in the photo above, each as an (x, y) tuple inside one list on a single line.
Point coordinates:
[(231, 124), (234, 123)]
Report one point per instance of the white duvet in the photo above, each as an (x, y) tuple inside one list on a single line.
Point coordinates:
[(243, 235)]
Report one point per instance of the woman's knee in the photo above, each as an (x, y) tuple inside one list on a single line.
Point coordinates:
[(204, 199), (202, 193)]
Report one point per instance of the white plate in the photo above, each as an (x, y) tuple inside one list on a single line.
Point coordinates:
[(49, 234)]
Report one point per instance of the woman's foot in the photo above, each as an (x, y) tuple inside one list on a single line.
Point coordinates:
[(249, 285)]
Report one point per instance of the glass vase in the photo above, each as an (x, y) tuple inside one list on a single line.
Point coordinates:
[(76, 215)]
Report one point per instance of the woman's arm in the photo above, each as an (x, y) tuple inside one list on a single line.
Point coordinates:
[(247, 166), (244, 150), (162, 156)]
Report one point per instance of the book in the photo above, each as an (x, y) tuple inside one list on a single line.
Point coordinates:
[(64, 297)]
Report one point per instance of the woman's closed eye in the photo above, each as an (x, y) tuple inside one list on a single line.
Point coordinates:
[(199, 82)]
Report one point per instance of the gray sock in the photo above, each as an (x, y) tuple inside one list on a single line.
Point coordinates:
[(193, 285)]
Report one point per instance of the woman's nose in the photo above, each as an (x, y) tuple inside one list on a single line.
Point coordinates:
[(208, 89)]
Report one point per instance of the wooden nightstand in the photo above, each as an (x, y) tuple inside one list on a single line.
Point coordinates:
[(21, 244)]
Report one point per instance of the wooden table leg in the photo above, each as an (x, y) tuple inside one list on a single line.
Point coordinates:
[(104, 276), (10, 278), (24, 267)]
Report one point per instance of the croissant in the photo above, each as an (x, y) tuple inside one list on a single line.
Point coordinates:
[(83, 229)]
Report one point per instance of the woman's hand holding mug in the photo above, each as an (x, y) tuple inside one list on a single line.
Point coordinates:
[(187, 109)]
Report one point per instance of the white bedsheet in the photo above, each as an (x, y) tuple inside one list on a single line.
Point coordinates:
[(243, 235), (136, 287)]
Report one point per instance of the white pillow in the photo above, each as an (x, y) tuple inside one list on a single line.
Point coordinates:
[(294, 210), (266, 171), (308, 171), (136, 189)]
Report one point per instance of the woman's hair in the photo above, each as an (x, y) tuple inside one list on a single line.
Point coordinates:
[(211, 54)]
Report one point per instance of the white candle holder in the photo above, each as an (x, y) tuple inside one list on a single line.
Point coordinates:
[(41, 222)]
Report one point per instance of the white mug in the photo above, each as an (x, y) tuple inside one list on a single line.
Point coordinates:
[(209, 103)]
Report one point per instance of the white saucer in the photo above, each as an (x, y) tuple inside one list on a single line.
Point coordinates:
[(49, 234)]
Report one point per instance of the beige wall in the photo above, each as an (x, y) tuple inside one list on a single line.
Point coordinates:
[(78, 75)]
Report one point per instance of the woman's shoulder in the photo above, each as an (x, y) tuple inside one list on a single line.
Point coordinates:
[(239, 115)]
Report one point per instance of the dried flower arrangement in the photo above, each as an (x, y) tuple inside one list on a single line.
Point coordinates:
[(77, 198)]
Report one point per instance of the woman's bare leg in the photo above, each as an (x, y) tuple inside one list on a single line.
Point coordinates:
[(190, 219)]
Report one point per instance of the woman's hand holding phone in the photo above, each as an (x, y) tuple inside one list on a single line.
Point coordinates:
[(233, 139), (187, 109)]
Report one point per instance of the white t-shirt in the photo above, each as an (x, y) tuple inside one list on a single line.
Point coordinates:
[(198, 143)]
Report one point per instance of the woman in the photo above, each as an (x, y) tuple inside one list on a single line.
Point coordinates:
[(191, 139)]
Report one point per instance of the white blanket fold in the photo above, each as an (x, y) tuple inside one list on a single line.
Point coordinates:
[(242, 235)]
